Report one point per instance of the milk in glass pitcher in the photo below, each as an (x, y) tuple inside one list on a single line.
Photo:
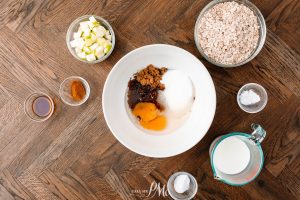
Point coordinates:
[(237, 158)]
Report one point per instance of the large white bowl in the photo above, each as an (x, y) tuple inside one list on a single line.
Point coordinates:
[(158, 144)]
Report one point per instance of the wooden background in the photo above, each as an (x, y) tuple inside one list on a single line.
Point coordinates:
[(73, 155)]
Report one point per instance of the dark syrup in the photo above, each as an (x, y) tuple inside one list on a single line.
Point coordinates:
[(142, 93)]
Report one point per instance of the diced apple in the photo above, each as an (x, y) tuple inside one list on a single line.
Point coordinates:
[(101, 41), (78, 50), (84, 25), (90, 57), (98, 32), (86, 32), (81, 55), (100, 49), (80, 43), (74, 43), (109, 37), (102, 28), (96, 24), (91, 25), (107, 47), (94, 46), (87, 50), (76, 35), (99, 54), (92, 19), (89, 42), (94, 37)]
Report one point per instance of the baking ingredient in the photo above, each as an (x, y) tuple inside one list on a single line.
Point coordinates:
[(145, 111), (178, 95), (77, 90), (160, 98), (231, 155), (141, 93), (151, 76), (41, 106), (249, 97), (228, 32), (149, 116), (182, 183), (142, 96), (92, 41), (144, 86), (157, 124)]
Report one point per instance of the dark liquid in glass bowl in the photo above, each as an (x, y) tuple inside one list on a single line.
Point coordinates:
[(42, 106)]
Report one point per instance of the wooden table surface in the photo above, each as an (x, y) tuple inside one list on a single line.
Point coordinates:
[(73, 155)]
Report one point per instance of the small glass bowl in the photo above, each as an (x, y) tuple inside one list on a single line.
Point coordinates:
[(65, 91), (74, 27), (186, 195), (28, 106), (258, 89), (262, 31)]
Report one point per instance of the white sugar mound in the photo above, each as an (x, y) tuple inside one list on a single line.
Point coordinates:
[(178, 95)]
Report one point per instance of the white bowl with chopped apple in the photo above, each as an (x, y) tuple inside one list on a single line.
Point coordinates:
[(90, 39)]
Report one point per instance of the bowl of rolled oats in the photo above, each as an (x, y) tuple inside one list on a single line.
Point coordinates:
[(230, 33)]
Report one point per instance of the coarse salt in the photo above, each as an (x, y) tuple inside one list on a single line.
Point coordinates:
[(182, 183), (249, 97)]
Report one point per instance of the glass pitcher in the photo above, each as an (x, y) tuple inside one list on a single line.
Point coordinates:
[(256, 157)]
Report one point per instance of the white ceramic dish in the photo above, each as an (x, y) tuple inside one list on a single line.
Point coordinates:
[(158, 144)]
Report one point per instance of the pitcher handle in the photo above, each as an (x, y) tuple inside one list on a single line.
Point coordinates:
[(258, 134)]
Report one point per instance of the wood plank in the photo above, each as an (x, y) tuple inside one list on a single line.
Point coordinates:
[(118, 185), (14, 187), (56, 186), (4, 194), (283, 20), (77, 186), (37, 187)]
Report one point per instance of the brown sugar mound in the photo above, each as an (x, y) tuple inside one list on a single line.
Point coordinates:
[(151, 76)]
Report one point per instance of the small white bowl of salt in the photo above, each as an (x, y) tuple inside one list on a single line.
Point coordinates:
[(252, 98), (182, 186)]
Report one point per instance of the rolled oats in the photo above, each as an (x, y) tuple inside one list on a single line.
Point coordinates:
[(229, 32)]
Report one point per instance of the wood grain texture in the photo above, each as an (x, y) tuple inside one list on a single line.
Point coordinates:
[(73, 155)]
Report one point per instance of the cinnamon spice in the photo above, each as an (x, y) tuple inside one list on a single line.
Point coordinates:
[(77, 90)]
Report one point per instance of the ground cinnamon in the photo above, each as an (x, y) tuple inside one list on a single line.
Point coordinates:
[(77, 90)]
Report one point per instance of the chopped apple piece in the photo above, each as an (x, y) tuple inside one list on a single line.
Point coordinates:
[(90, 57)]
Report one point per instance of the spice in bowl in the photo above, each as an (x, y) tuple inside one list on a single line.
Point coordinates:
[(74, 91), (228, 33), (77, 90)]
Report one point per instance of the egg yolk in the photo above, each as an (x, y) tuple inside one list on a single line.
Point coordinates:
[(146, 111), (149, 116), (157, 124)]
